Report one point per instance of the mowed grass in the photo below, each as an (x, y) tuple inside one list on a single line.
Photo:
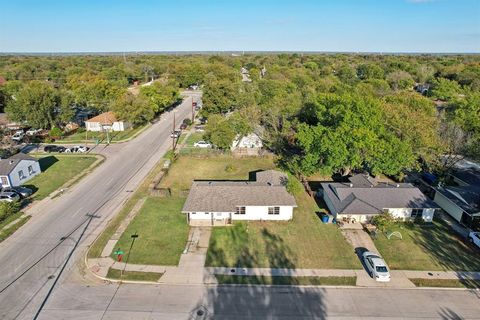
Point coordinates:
[(304, 242), (446, 283), (56, 171), (435, 247), (285, 280), (186, 169), (162, 233), (193, 138), (133, 275)]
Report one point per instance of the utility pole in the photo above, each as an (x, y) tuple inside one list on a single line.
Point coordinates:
[(173, 132), (193, 111)]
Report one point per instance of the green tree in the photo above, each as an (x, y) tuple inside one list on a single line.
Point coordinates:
[(345, 133), (35, 103), (134, 109), (400, 80), (219, 96), (369, 71), (162, 95), (445, 89), (219, 132)]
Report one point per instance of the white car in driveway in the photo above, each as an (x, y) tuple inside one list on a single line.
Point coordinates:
[(377, 268), (202, 144), (18, 136), (474, 237)]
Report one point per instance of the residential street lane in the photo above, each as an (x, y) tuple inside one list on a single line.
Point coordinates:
[(37, 251)]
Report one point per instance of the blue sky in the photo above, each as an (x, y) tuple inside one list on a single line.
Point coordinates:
[(184, 25)]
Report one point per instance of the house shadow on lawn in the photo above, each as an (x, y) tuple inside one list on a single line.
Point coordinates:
[(47, 162), (255, 300)]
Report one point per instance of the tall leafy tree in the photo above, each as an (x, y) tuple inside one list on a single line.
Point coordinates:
[(345, 133), (35, 103)]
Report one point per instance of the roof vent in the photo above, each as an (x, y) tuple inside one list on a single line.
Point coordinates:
[(398, 186), (351, 185), (11, 162), (269, 183)]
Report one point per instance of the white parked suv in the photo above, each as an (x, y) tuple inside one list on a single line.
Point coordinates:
[(377, 268), (474, 237), (18, 136), (202, 144)]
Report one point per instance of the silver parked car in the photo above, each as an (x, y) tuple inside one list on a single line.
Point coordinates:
[(377, 268), (9, 196), (21, 191)]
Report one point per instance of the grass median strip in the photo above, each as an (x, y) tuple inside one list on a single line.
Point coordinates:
[(133, 275), (5, 233), (286, 280), (446, 283)]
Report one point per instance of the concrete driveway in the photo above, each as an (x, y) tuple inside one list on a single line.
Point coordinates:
[(362, 242)]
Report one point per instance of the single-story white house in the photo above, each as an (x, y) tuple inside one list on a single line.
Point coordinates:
[(18, 169), (106, 121), (222, 202), (363, 197), (462, 203), (250, 141)]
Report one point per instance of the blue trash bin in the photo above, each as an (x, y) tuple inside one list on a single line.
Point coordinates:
[(325, 218)]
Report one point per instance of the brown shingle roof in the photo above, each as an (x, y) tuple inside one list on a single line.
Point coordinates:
[(104, 118)]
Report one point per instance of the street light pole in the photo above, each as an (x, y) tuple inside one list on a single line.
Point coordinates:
[(134, 237)]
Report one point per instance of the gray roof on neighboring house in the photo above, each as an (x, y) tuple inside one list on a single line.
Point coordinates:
[(7, 165), (470, 176), (467, 197), (363, 198), (225, 196)]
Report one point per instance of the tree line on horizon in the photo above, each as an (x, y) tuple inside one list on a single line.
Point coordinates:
[(319, 113)]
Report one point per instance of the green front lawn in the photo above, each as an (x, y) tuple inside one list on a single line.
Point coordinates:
[(285, 280), (428, 248), (186, 169), (92, 137), (304, 242), (57, 170), (162, 233)]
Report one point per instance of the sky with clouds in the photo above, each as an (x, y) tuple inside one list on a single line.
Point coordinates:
[(216, 25)]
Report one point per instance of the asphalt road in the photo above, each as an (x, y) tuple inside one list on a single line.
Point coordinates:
[(167, 302), (32, 258)]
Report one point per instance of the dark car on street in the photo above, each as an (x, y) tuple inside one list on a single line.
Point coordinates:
[(53, 148)]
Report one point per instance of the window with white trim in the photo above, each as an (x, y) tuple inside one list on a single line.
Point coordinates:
[(273, 210), (240, 210), (21, 175), (30, 170), (416, 213)]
